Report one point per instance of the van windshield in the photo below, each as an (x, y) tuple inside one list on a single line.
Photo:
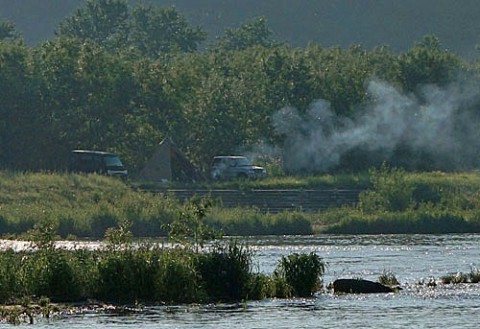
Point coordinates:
[(113, 161)]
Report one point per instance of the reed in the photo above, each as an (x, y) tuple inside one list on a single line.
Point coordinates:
[(125, 273), (301, 272), (148, 276), (387, 278), (460, 277), (251, 221)]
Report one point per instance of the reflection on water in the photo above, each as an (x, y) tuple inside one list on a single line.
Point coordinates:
[(412, 258)]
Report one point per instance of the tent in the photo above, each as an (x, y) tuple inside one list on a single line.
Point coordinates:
[(169, 164)]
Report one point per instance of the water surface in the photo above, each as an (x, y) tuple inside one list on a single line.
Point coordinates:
[(412, 258)]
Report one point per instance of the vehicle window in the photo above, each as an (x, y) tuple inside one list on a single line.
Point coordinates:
[(113, 161), (244, 162)]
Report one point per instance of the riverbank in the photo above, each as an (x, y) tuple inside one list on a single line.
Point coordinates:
[(392, 201)]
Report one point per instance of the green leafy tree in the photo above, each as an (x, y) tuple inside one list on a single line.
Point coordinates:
[(253, 33), (156, 30), (189, 227), (149, 31), (427, 63), (86, 95), (7, 31), (101, 21), (20, 118)]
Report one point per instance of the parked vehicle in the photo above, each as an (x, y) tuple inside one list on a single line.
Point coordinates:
[(104, 163), (235, 166)]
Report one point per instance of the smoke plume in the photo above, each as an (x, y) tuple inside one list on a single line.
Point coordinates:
[(436, 126)]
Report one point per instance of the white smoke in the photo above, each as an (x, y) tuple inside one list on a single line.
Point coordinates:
[(433, 123)]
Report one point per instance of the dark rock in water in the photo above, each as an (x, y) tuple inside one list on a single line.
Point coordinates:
[(359, 286)]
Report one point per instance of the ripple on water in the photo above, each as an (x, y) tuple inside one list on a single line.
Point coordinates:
[(412, 259)]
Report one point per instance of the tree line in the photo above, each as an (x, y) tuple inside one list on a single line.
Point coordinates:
[(121, 79)]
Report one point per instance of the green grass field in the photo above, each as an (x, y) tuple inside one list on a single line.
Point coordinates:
[(394, 201)]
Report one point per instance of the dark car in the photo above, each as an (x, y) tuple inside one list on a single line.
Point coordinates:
[(104, 163)]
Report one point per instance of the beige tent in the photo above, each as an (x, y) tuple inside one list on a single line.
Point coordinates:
[(169, 164)]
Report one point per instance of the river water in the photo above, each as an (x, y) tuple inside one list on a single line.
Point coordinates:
[(411, 258)]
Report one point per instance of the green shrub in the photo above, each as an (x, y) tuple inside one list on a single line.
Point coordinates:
[(392, 191), (455, 278), (387, 278), (260, 286), (51, 273), (281, 288), (178, 279), (226, 272), (460, 277), (302, 272), (10, 285), (425, 220), (126, 276), (251, 221), (474, 276)]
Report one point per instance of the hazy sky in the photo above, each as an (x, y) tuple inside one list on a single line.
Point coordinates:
[(397, 23)]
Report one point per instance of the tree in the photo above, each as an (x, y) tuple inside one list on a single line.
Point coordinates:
[(19, 116), (159, 30), (101, 21), (254, 33), (148, 30), (427, 63), (7, 31), (86, 93)]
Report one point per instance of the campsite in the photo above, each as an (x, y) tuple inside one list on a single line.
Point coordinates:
[(156, 171)]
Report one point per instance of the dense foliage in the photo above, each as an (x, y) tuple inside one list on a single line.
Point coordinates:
[(125, 272), (121, 79), (401, 203)]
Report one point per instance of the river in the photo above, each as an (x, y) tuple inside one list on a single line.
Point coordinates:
[(411, 258)]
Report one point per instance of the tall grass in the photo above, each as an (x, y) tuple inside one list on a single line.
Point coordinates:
[(394, 202), (302, 273), (88, 205), (401, 202), (81, 205), (251, 221), (149, 274)]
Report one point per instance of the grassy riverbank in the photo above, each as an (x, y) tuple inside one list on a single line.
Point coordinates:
[(393, 201), (400, 202)]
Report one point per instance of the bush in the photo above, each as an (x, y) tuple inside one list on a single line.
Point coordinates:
[(302, 273), (226, 272), (178, 278), (126, 276), (392, 191), (456, 278), (251, 221), (10, 285), (460, 277), (260, 286), (51, 273), (388, 279)]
